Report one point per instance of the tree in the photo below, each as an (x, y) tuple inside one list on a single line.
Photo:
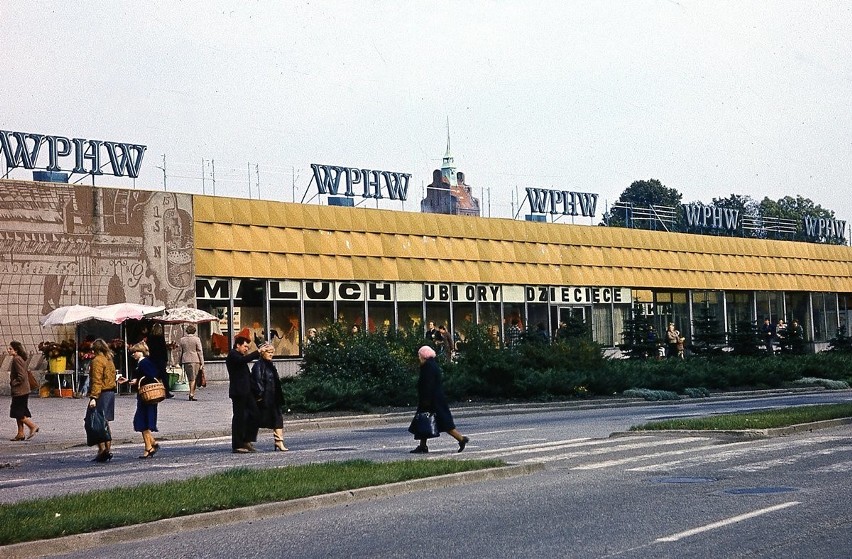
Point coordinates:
[(640, 340), (643, 194), (746, 339), (747, 207), (796, 209), (708, 337)]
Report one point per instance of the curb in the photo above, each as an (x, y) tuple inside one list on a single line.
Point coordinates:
[(81, 542), (741, 434)]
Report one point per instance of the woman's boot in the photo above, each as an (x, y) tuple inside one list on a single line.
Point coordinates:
[(278, 434)]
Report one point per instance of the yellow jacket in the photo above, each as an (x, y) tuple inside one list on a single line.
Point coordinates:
[(102, 373)]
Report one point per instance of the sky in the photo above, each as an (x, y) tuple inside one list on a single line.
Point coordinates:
[(711, 98)]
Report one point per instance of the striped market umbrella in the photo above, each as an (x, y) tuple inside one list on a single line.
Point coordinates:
[(185, 315)]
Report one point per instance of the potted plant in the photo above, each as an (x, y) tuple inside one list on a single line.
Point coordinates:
[(57, 354)]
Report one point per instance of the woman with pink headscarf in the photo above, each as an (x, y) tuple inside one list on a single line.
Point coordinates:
[(430, 398)]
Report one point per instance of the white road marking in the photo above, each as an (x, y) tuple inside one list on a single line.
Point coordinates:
[(726, 522), (792, 459), (621, 461), (744, 448), (841, 467)]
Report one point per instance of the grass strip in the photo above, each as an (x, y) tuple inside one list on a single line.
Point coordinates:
[(109, 508), (766, 419)]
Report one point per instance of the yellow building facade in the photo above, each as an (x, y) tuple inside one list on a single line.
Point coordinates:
[(275, 270)]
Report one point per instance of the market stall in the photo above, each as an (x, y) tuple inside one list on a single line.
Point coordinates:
[(67, 374)]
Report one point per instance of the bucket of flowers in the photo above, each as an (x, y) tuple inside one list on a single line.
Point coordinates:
[(57, 354)]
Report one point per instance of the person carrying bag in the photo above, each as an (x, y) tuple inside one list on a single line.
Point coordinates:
[(97, 429)]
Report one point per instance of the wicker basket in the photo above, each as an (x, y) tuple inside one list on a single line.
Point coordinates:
[(153, 392)]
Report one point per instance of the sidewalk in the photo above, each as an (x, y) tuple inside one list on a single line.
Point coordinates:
[(60, 420)]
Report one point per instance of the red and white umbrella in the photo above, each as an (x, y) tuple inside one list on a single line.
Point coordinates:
[(185, 315), (119, 312), (71, 314)]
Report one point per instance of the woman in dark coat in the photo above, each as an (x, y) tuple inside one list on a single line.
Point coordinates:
[(430, 398), (145, 419), (266, 387), (19, 381)]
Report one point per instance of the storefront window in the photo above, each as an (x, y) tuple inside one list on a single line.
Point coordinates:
[(825, 316), (602, 324), (489, 315), (214, 296), (409, 309), (514, 312), (380, 307), (708, 313), (437, 297), (770, 304), (740, 309), (797, 309), (620, 314), (319, 304), (844, 303), (351, 308), (673, 306), (463, 313), (285, 317), (249, 319)]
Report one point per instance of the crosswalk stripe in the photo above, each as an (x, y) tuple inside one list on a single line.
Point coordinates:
[(785, 461), (726, 453), (609, 450)]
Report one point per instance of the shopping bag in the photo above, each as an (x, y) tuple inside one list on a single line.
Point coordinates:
[(97, 428), (201, 379), (33, 382), (424, 426)]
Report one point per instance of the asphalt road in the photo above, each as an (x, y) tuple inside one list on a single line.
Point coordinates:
[(40, 470), (628, 496), (694, 497)]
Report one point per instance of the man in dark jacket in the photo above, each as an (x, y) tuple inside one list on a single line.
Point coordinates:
[(244, 421)]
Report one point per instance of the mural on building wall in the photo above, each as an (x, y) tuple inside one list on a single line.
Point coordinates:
[(74, 244)]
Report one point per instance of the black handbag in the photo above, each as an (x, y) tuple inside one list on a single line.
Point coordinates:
[(97, 427), (424, 426)]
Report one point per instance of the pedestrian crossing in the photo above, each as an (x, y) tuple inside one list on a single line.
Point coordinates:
[(668, 454)]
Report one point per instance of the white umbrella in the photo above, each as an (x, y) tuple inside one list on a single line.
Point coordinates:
[(72, 314), (119, 312), (185, 315)]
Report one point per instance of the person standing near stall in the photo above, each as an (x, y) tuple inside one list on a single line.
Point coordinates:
[(102, 386), (19, 381), (145, 419), (191, 357)]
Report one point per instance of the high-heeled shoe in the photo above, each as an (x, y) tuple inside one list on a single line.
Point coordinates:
[(103, 457), (32, 433), (279, 446), (463, 443), (149, 452), (18, 438)]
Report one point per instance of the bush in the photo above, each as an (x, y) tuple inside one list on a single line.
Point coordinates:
[(652, 395), (342, 371), (826, 383), (345, 371)]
